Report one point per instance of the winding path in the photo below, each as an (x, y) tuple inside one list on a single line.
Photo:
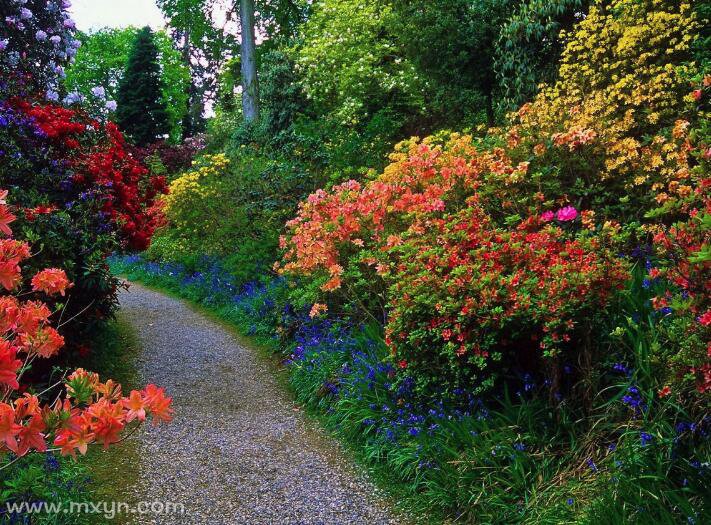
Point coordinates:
[(239, 451)]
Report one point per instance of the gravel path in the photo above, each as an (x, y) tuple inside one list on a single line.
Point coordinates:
[(239, 451)]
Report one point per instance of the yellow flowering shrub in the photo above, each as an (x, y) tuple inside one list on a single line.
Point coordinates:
[(187, 192), (607, 125), (230, 206), (195, 208)]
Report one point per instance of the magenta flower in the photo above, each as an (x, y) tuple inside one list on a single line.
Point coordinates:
[(567, 214), (547, 216)]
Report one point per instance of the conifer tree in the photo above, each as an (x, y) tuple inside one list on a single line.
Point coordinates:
[(142, 112)]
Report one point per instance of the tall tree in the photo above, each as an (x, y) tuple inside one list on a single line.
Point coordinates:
[(142, 113), (206, 47), (209, 45), (101, 61), (250, 86)]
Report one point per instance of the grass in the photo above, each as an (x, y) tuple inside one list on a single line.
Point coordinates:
[(116, 471)]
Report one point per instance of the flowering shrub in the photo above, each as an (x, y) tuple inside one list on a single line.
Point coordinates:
[(461, 289), (422, 178), (602, 131), (103, 166), (36, 42), (465, 292), (79, 193), (679, 273), (89, 411), (212, 209), (80, 196), (469, 248)]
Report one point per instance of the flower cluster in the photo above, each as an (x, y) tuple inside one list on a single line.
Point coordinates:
[(36, 42), (465, 291), (422, 178), (602, 129), (103, 168), (105, 412), (90, 411)]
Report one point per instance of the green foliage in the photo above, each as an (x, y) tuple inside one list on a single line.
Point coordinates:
[(280, 93), (452, 43), (142, 112), (212, 210), (352, 65), (102, 59), (43, 478), (205, 47), (280, 19), (528, 47)]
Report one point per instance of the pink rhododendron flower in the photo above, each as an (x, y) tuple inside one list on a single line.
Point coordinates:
[(547, 216), (567, 214)]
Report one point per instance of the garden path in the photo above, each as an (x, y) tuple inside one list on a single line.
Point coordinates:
[(238, 451)]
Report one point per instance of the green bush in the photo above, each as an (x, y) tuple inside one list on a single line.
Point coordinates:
[(231, 207)]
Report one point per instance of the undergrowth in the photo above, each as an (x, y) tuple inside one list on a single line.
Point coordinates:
[(511, 457)]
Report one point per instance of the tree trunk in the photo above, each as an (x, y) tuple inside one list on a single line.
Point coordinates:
[(250, 88), (490, 109)]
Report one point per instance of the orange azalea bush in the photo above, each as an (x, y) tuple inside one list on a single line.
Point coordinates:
[(461, 282), (422, 178), (89, 411)]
